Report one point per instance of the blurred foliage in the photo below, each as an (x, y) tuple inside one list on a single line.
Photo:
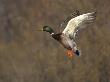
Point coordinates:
[(30, 56)]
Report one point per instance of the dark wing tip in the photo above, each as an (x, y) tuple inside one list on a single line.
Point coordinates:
[(94, 13)]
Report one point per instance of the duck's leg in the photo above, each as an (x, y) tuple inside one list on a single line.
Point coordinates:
[(70, 54)]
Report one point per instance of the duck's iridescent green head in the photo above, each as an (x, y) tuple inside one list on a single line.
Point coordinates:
[(48, 29)]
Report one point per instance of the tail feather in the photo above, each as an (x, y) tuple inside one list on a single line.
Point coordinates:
[(77, 52)]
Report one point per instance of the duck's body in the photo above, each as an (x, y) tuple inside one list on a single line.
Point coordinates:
[(67, 42), (67, 36)]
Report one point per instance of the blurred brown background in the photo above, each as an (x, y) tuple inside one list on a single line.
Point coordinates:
[(30, 56)]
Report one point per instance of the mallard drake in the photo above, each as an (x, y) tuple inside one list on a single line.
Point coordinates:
[(67, 36)]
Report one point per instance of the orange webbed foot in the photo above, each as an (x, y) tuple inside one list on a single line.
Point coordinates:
[(70, 54)]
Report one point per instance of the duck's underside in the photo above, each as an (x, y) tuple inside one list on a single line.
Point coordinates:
[(67, 43)]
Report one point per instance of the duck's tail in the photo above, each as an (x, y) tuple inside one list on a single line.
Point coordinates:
[(77, 52)]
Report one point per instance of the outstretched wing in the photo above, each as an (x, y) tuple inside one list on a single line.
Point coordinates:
[(77, 23)]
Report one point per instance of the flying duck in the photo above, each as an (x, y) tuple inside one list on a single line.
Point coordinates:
[(66, 37)]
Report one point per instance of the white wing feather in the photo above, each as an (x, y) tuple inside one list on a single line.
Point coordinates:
[(77, 23)]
